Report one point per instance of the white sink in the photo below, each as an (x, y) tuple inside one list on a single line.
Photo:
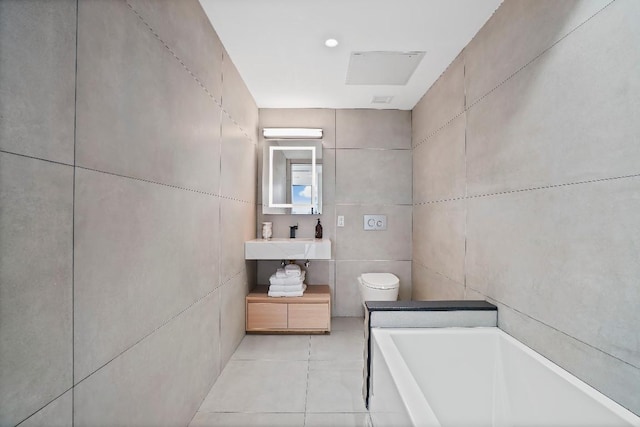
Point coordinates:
[(288, 249)]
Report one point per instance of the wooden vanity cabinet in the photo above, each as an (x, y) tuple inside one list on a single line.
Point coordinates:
[(310, 313)]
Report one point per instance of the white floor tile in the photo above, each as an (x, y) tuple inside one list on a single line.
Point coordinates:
[(259, 386), (337, 419), (222, 419), (340, 345), (273, 347), (335, 386)]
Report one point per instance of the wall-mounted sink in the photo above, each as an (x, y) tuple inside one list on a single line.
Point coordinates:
[(288, 249)]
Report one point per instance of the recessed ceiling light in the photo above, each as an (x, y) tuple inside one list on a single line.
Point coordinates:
[(331, 42)]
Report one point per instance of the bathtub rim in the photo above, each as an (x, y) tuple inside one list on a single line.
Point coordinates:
[(384, 336)]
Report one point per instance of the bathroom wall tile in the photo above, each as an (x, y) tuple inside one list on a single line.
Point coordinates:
[(428, 285), (360, 128), (139, 112), (442, 102), (182, 26), (324, 118), (232, 315), (135, 242), (354, 243), (238, 166), (38, 89), (541, 252), (347, 293), (514, 142), (518, 32), (335, 386), (373, 176), (58, 413), (36, 211), (439, 164), (237, 226), (439, 238), (119, 392), (609, 375), (237, 101), (259, 386), (351, 324), (208, 419)]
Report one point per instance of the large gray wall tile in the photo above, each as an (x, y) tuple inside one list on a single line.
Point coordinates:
[(429, 285), (373, 176), (518, 32), (354, 243), (541, 127), (347, 289), (136, 242), (185, 28), (37, 78), (373, 129), (162, 379), (442, 102), (439, 169), (609, 375), (439, 238), (37, 89), (58, 413), (238, 168), (237, 101), (232, 315), (238, 224), (36, 211), (565, 256), (140, 113)]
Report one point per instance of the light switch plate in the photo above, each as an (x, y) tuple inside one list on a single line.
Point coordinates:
[(340, 220), (375, 222)]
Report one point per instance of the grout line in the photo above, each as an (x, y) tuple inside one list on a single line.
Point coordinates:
[(438, 273), (522, 190), (37, 158), (49, 403), (306, 395), (466, 180), (166, 185), (73, 233)]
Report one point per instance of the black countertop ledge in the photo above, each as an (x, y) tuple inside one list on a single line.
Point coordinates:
[(456, 305)]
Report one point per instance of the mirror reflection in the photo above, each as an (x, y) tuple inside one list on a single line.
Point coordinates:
[(293, 174)]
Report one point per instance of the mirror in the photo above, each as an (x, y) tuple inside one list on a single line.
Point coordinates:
[(292, 177)]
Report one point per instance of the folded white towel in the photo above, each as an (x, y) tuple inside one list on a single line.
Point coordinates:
[(295, 280), (287, 294), (280, 273), (292, 270), (287, 288)]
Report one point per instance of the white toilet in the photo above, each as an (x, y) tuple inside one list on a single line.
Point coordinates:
[(378, 287)]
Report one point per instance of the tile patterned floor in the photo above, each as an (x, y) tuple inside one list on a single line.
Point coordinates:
[(291, 380)]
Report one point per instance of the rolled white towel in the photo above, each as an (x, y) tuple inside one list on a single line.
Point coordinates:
[(287, 288), (292, 280), (280, 273), (287, 294), (292, 270)]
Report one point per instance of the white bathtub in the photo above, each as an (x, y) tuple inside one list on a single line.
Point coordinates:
[(477, 377)]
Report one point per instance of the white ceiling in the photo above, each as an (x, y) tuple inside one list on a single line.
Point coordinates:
[(278, 45)]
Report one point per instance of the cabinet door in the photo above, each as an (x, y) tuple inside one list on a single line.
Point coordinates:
[(266, 316), (309, 316)]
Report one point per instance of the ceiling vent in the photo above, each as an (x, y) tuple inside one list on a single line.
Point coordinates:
[(382, 68), (381, 99)]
